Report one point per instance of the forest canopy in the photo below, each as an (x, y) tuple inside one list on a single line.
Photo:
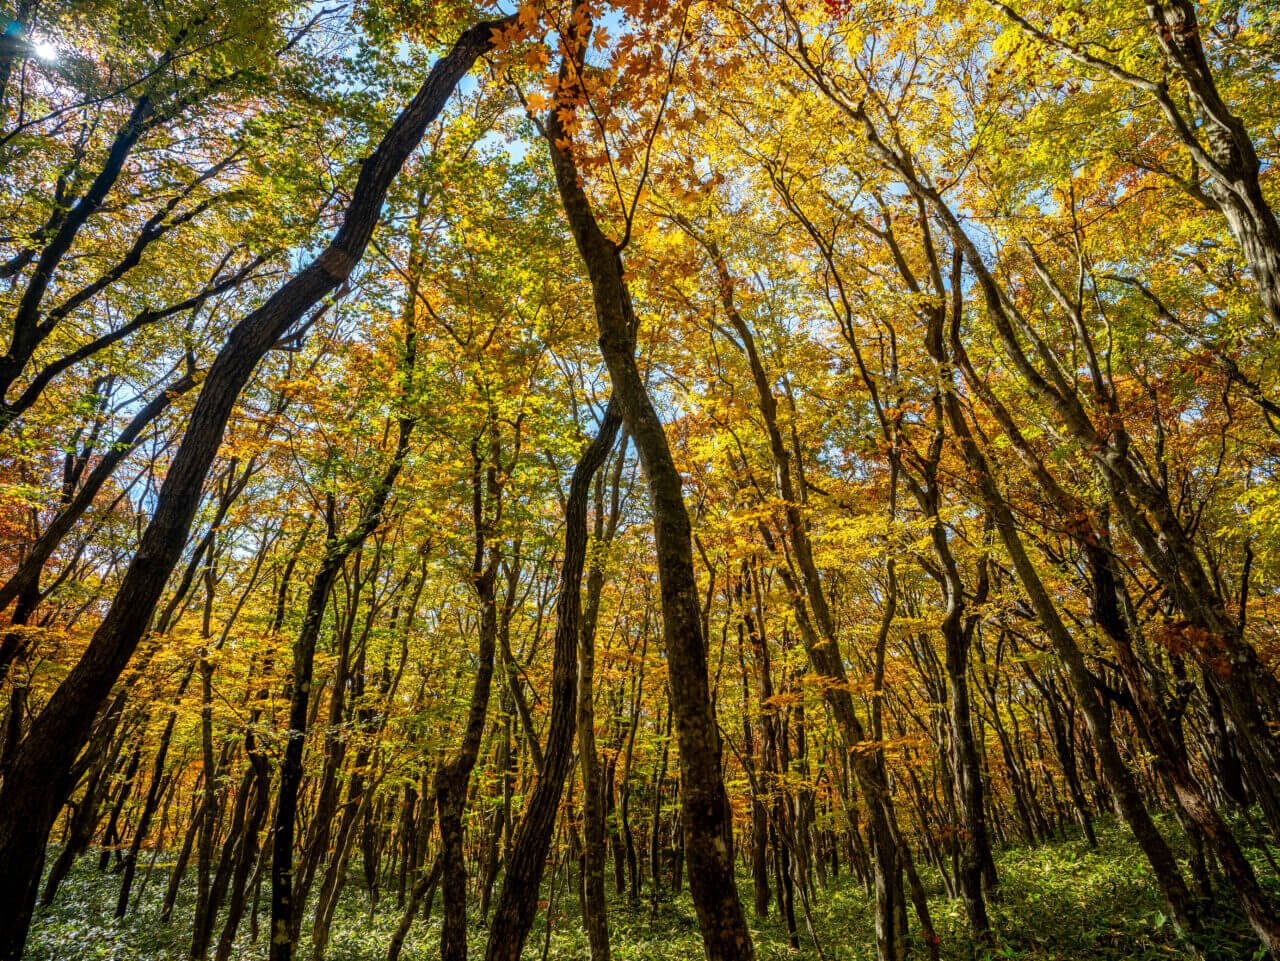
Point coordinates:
[(639, 479)]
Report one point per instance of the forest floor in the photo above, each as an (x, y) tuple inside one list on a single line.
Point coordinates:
[(1060, 901)]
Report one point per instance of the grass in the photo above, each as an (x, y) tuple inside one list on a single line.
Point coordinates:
[(1057, 902)]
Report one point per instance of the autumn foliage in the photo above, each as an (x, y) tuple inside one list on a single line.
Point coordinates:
[(939, 343)]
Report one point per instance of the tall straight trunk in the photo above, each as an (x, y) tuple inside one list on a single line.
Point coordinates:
[(1014, 772), (704, 805), (975, 845), (611, 789), (375, 839), (285, 912), (760, 858), (749, 635), (783, 878), (316, 845), (232, 845), (1064, 748), (184, 855), (629, 841), (38, 780), (424, 881), (243, 887), (491, 862), (209, 895), (161, 834), (594, 907), (802, 805), (784, 834), (336, 872), (655, 817), (212, 801), (403, 842), (624, 853), (454, 775), (820, 641), (518, 901)]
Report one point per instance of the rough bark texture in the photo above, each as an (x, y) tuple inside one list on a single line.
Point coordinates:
[(518, 901), (704, 804), (39, 779)]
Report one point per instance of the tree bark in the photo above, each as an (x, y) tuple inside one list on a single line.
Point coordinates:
[(704, 804), (517, 903), (38, 780)]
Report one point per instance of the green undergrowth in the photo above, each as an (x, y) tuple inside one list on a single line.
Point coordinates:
[(1059, 902)]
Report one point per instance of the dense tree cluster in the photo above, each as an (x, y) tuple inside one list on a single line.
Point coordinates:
[(447, 448)]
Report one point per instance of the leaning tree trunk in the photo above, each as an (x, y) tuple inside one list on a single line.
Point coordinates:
[(595, 910), (453, 775), (518, 901), (285, 912), (1120, 780), (39, 779), (704, 804)]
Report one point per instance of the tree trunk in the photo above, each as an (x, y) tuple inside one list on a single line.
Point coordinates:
[(518, 901), (595, 910), (38, 780), (704, 807)]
